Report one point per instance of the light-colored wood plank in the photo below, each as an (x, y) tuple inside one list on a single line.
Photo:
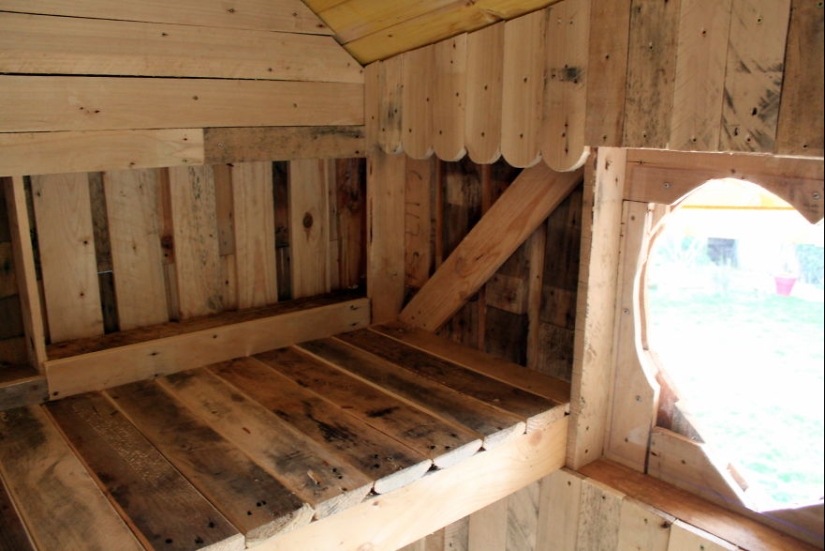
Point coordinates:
[(254, 229), (593, 345), (352, 19), (60, 503), (702, 49), (286, 15), (235, 145), (684, 537), (373, 92), (153, 496), (643, 527), (523, 517), (386, 461), (386, 181), (445, 444), (519, 211), (599, 517), (607, 72), (456, 535), (523, 89), (67, 256), (416, 102), (562, 133), (92, 370), (309, 226), (418, 226), (58, 152), (36, 44), (800, 127), (390, 105), (651, 72), (50, 103), (195, 230), (449, 98), (396, 519), (485, 71), (753, 80), (315, 474), (132, 199), (29, 289), (250, 498), (559, 505), (488, 527)]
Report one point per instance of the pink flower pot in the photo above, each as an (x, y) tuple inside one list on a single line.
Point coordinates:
[(784, 285)]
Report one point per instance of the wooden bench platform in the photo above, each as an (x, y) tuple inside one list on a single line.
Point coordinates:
[(389, 429)]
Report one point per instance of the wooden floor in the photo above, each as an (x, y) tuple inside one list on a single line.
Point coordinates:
[(241, 451)]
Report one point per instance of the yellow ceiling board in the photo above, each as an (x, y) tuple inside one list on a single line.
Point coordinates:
[(354, 19)]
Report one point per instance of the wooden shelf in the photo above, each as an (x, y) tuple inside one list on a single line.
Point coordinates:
[(21, 385), (249, 450)]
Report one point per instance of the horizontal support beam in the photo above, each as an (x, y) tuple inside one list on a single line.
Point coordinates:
[(235, 145), (128, 356)]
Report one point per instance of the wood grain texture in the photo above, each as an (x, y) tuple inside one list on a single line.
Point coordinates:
[(643, 527), (701, 61), (247, 144), (753, 81), (684, 537), (525, 204), (195, 230), (13, 537), (485, 72), (254, 231), (51, 103), (67, 256), (599, 516), (60, 503), (488, 527), (562, 133), (419, 192), (390, 103), (36, 44), (289, 15), (523, 89), (418, 88), (522, 517), (132, 200), (309, 182), (559, 505), (449, 99)]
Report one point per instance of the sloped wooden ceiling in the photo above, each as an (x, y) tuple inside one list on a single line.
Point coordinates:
[(377, 29)]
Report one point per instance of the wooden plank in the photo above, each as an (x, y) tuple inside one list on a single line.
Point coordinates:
[(535, 409), (36, 44), (155, 498), (728, 525), (522, 517), (536, 246), (60, 504), (13, 537), (593, 345), (701, 58), (643, 527), (256, 503), (322, 479), (50, 103), (607, 73), (456, 535), (289, 15), (373, 92), (418, 87), (753, 81), (132, 199), (21, 386), (445, 444), (684, 537), (485, 71), (195, 230), (309, 226), (447, 107), (494, 425), (396, 522), (800, 126), (8, 278), (254, 229), (418, 198), (349, 196), (235, 145), (390, 105), (599, 517), (80, 369), (388, 463), (559, 505), (519, 211), (523, 89), (58, 152), (515, 375), (386, 181), (488, 527), (103, 252), (562, 133), (352, 19), (64, 231), (651, 72)]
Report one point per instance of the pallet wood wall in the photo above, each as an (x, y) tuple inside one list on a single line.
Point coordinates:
[(93, 86)]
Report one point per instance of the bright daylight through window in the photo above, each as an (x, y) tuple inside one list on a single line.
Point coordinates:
[(735, 315)]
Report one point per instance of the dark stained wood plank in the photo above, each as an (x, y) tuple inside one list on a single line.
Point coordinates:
[(21, 385), (13, 535), (531, 407), (494, 425), (60, 503), (386, 461), (167, 510), (322, 479), (255, 502), (444, 443)]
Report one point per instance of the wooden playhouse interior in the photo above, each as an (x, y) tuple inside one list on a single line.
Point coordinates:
[(357, 274)]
